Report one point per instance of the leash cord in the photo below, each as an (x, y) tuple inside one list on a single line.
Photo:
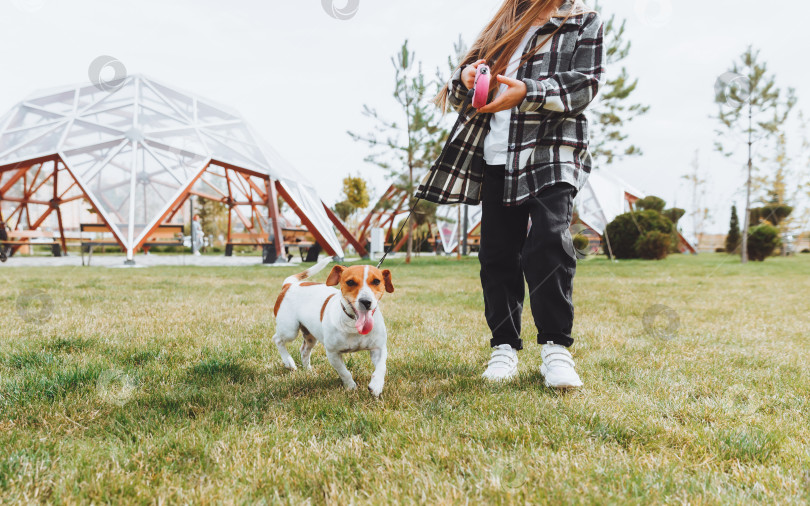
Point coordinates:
[(461, 115)]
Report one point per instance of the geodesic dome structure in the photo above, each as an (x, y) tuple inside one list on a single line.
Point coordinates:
[(136, 149)]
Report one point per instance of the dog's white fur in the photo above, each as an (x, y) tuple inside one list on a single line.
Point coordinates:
[(300, 309)]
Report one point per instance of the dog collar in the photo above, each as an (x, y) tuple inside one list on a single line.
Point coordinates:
[(353, 317), (347, 313)]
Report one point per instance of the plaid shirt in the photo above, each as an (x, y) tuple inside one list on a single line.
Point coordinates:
[(548, 132)]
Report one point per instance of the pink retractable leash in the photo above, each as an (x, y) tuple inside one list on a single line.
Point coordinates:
[(481, 86)]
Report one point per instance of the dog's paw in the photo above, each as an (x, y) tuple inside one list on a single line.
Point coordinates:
[(375, 387), (350, 386), (289, 364)]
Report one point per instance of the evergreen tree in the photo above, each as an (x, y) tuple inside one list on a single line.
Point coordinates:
[(407, 149), (751, 107), (733, 237)]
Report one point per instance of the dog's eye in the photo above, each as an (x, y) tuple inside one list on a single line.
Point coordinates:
[(351, 283), (375, 282)]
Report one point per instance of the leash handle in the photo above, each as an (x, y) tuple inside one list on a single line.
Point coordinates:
[(461, 116)]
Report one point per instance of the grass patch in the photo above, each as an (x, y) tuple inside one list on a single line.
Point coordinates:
[(163, 385)]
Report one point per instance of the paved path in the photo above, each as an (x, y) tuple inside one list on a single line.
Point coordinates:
[(140, 261)]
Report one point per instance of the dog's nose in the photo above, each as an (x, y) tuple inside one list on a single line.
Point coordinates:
[(365, 303)]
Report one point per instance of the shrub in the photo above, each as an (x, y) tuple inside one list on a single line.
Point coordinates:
[(762, 240), (624, 231), (805, 250), (653, 245), (719, 250), (772, 213), (650, 203), (674, 214)]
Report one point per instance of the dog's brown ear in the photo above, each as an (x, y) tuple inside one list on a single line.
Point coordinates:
[(334, 276), (389, 286)]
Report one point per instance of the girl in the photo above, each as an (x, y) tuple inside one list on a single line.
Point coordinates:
[(525, 155)]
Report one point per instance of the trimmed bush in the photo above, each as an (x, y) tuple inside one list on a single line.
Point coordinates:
[(762, 240), (653, 245), (624, 231), (650, 203), (674, 214)]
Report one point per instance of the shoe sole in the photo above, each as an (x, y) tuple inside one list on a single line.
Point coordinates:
[(559, 387), (500, 380)]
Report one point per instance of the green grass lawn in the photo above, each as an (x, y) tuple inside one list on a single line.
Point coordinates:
[(163, 385)]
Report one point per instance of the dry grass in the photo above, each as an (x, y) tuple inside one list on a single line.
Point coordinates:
[(162, 384)]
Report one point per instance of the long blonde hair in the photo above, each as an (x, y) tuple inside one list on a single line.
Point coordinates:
[(500, 39)]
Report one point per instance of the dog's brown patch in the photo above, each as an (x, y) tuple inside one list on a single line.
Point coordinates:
[(305, 331), (308, 283), (280, 298), (323, 308)]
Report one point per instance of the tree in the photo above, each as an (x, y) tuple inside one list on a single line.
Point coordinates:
[(782, 186), (733, 238), (355, 197), (406, 149), (614, 109), (213, 217), (700, 212), (802, 181), (750, 106)]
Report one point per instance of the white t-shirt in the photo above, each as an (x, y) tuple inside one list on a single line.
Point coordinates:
[(495, 144)]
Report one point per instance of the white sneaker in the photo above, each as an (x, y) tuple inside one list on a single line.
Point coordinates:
[(558, 367), (503, 363)]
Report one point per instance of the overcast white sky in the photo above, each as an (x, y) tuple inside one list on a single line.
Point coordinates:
[(301, 77)]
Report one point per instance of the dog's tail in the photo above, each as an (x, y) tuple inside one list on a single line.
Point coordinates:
[(301, 276)]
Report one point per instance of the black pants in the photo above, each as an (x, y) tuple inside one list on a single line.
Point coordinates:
[(545, 256)]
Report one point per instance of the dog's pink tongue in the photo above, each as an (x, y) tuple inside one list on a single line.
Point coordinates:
[(364, 322)]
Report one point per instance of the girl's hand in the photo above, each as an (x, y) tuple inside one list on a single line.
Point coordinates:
[(468, 76), (511, 97)]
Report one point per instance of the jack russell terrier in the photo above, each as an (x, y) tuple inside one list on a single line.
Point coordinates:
[(344, 320)]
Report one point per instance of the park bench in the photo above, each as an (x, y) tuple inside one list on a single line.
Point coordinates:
[(87, 244), (293, 237), (165, 235), (300, 238), (32, 238), (473, 243), (244, 239)]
